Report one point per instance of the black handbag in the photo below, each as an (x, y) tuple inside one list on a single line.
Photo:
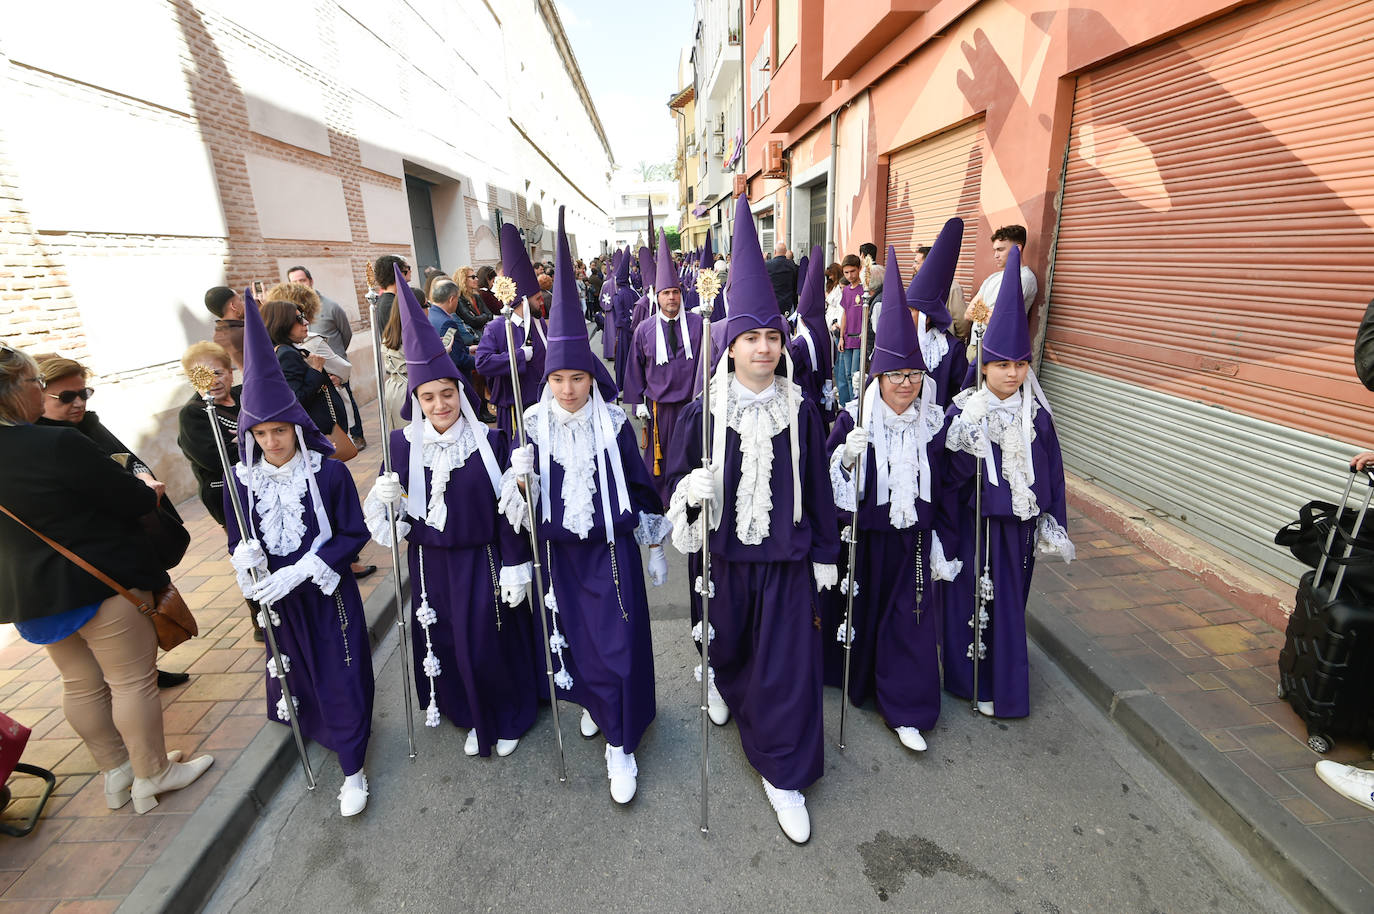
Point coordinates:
[(166, 534), (1306, 536)]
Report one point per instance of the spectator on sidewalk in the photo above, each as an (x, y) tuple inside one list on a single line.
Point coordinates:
[(385, 271), (227, 307), (332, 325), (1003, 240), (782, 276), (849, 328)]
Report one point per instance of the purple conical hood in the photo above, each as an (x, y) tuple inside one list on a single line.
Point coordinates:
[(708, 258), (929, 289), (811, 300), (1008, 335), (665, 272), (426, 359), (266, 395), (750, 294), (896, 345), (515, 262), (804, 265), (569, 347), (647, 274), (622, 266)]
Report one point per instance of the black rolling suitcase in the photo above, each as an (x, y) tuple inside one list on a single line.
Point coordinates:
[(1326, 667)]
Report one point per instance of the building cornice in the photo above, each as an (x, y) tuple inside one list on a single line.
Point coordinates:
[(565, 51)]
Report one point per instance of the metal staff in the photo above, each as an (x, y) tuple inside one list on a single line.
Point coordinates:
[(391, 521), (854, 522), (979, 595), (707, 284), (202, 379), (505, 292)]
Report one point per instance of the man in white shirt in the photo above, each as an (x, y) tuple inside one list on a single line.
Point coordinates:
[(1002, 241)]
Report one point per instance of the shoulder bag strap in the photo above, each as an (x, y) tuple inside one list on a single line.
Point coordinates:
[(78, 561)]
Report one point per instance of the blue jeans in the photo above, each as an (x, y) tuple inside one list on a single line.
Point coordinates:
[(845, 366)]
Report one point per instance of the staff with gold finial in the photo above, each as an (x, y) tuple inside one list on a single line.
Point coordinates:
[(979, 314), (708, 284)]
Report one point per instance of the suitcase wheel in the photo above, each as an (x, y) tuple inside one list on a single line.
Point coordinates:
[(1281, 691), (1319, 743)]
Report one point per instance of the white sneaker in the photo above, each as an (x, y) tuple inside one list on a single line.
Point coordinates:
[(716, 708), (470, 747), (790, 806), (985, 708), (505, 747), (1350, 782), (588, 726), (622, 771), (911, 738), (353, 795)]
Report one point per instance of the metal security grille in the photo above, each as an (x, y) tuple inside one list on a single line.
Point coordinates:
[(816, 216)]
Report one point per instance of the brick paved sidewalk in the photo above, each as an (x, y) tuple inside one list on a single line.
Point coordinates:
[(84, 857)]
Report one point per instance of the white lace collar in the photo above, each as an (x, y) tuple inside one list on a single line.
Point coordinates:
[(278, 495), (442, 453), (934, 343), (1010, 424), (900, 450), (584, 445), (756, 418)]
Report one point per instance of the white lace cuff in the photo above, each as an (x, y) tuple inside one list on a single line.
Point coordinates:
[(653, 529), (687, 536), (941, 568), (378, 527), (1052, 539), (516, 575), (511, 504), (826, 575), (316, 570), (245, 580), (841, 481)]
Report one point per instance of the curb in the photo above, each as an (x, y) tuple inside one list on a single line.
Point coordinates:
[(1291, 857), (185, 875)]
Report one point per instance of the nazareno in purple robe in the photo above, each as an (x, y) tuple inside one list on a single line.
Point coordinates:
[(897, 608), (487, 673), (324, 636), (1004, 671), (766, 652), (598, 589), (608, 318), (493, 364), (665, 389), (949, 374), (624, 303)]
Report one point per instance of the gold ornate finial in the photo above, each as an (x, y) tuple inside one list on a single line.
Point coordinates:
[(708, 284), (504, 289), (201, 378), (980, 313), (371, 276)]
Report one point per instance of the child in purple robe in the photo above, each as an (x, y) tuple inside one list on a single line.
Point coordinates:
[(305, 529), (493, 354), (471, 651), (927, 297), (810, 346), (1007, 426), (771, 549), (594, 504)]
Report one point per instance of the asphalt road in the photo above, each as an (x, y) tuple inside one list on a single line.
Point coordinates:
[(1055, 813)]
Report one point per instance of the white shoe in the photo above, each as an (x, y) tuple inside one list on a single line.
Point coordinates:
[(911, 738), (174, 777), (588, 726), (716, 708), (622, 771), (790, 806), (1350, 782), (505, 747), (985, 708), (120, 781), (353, 795), (470, 747)]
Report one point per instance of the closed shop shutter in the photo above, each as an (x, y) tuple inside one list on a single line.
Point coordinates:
[(928, 183), (816, 216), (1213, 260)]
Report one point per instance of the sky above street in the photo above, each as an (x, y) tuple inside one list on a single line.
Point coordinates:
[(628, 54)]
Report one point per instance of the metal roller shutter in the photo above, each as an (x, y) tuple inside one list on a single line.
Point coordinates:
[(928, 183), (1213, 260)]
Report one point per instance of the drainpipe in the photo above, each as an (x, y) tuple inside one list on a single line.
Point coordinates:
[(830, 190)]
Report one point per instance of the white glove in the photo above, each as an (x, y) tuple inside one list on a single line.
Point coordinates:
[(522, 460), (528, 352), (828, 393), (248, 556), (826, 575), (658, 566), (388, 489), (279, 584), (855, 443), (701, 487), (642, 412), (513, 594), (856, 382)]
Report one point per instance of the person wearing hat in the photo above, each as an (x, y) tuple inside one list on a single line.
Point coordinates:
[(629, 288), (810, 346), (594, 505), (928, 298), (607, 299), (1007, 425), (662, 377), (771, 549), (900, 553), (305, 527), (647, 303), (531, 339), (473, 652)]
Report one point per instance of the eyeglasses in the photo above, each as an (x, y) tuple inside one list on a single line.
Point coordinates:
[(68, 397), (904, 377), (301, 319)]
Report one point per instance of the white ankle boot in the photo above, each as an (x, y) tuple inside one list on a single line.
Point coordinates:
[(985, 708), (588, 726), (470, 746), (623, 773), (790, 807), (716, 708), (353, 794), (174, 777), (911, 738), (119, 781), (505, 747)]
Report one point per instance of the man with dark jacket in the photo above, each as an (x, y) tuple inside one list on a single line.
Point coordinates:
[(1364, 348), (782, 274)]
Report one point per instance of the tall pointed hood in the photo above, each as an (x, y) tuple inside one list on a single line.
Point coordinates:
[(646, 268), (515, 262), (665, 271), (929, 289), (896, 345), (708, 257), (266, 395), (803, 265), (426, 359), (811, 300), (750, 294), (569, 347), (1008, 335)]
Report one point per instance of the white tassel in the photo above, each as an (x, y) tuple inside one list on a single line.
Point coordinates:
[(431, 665), (563, 679), (846, 584), (263, 615), (425, 614), (839, 634), (281, 707), (696, 633), (696, 585), (272, 666), (432, 713)]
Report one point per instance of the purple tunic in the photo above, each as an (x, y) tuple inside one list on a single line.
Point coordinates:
[(897, 609), (487, 673), (767, 649), (493, 364), (665, 389), (642, 310), (608, 319), (324, 637), (1004, 672), (603, 610), (624, 303), (949, 374)]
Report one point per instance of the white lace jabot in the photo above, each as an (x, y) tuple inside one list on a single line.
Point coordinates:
[(279, 499)]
